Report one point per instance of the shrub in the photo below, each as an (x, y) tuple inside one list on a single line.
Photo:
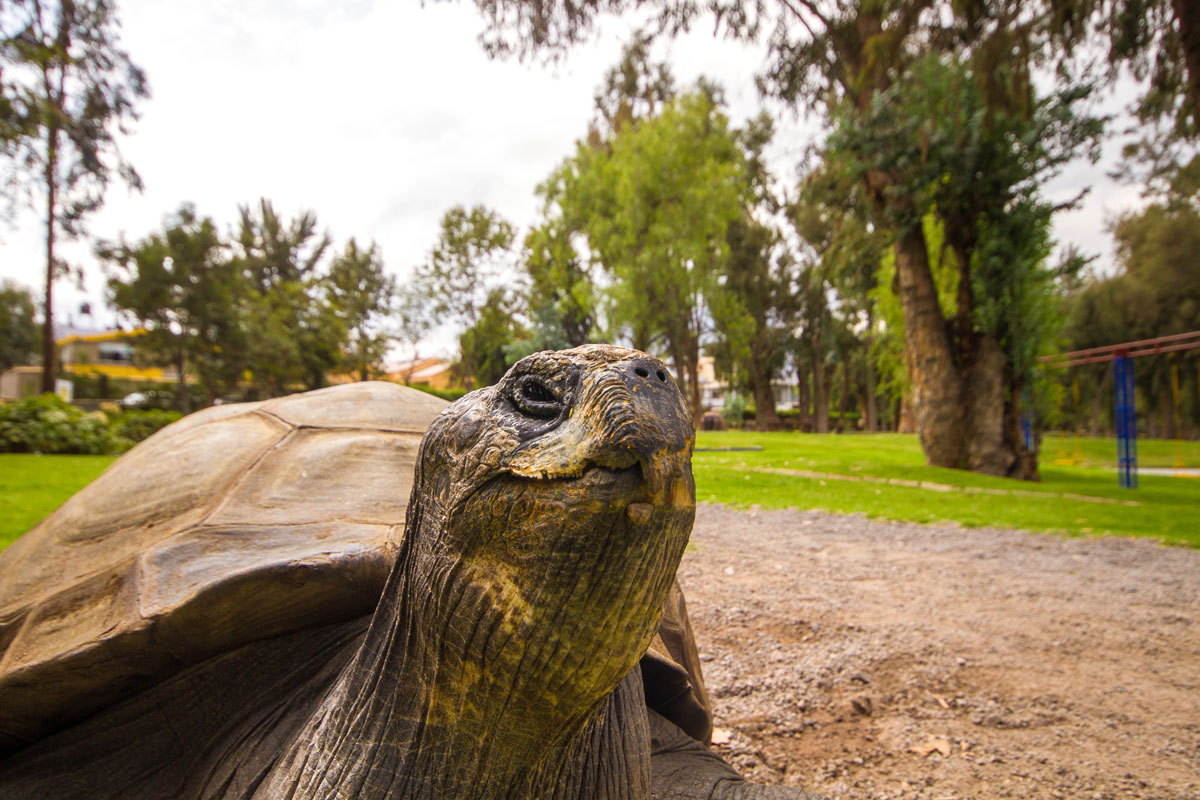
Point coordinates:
[(445, 394), (134, 425), (734, 410), (47, 424)]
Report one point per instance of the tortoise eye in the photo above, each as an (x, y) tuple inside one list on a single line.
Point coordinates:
[(534, 397)]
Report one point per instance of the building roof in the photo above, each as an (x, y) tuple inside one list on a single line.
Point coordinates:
[(69, 335)]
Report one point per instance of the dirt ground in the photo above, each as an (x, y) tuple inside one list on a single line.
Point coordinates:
[(869, 659)]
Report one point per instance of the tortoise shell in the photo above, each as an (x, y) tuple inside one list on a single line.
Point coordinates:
[(235, 524)]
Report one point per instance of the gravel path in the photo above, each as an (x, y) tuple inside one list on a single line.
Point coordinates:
[(869, 659)]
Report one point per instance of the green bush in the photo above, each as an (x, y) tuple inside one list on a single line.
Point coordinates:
[(445, 394), (134, 425), (47, 424), (734, 410)]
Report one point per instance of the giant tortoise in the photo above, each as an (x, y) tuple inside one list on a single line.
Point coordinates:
[(244, 606)]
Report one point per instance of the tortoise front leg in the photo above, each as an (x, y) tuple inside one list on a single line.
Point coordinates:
[(682, 768)]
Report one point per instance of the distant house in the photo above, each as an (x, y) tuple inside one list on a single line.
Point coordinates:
[(713, 392), (108, 353), (434, 372), (87, 353)]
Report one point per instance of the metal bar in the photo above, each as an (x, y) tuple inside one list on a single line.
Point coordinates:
[(1110, 356), (1126, 419), (1175, 337)]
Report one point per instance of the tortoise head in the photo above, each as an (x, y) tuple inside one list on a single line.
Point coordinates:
[(548, 517)]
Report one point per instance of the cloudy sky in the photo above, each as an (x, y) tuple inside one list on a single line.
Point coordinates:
[(379, 116)]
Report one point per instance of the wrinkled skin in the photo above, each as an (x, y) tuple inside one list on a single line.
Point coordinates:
[(547, 520)]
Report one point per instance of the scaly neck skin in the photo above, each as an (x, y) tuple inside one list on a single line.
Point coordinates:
[(441, 702)]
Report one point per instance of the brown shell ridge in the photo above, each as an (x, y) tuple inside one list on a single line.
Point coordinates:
[(232, 487)]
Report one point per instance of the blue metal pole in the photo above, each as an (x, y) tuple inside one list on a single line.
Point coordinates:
[(1126, 415)]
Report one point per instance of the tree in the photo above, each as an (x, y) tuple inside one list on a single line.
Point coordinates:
[(180, 285), (297, 334), (362, 295), (413, 321), (752, 312), (70, 89), (883, 73), (471, 253), (654, 204), (561, 291), (18, 327), (484, 347)]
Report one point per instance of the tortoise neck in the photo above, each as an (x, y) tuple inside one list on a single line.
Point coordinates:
[(428, 709)]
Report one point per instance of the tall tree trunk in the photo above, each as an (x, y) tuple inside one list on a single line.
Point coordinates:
[(869, 407), (804, 401), (49, 351), (693, 377), (764, 396), (844, 401), (937, 384), (820, 388), (183, 398), (991, 445), (1025, 464)]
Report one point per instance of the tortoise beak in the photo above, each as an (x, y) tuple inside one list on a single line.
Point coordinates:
[(627, 414)]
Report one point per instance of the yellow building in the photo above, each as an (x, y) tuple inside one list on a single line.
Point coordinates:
[(108, 353), (87, 353)]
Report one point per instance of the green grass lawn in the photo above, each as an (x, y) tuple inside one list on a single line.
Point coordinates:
[(1166, 508), (32, 486)]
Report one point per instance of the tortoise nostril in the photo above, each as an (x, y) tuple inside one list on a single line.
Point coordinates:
[(642, 372), (662, 376)]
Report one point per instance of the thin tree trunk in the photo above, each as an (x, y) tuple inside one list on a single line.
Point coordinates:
[(693, 376), (183, 398), (937, 384), (804, 401), (844, 402), (820, 386), (764, 396), (870, 409), (48, 347)]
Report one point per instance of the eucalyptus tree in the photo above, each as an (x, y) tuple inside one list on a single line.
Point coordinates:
[(180, 285), (298, 335), (363, 298), (655, 203), (68, 90), (873, 70), (472, 255), (18, 325)]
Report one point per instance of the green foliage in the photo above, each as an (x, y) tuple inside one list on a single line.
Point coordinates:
[(180, 285), (654, 203), (1155, 293), (459, 280), (561, 292), (734, 410), (445, 394), (134, 425), (294, 335), (362, 296), (18, 329), (485, 347), (67, 89), (47, 424)]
